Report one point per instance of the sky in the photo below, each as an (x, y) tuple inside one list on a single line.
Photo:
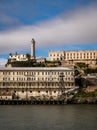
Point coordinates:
[(54, 24)]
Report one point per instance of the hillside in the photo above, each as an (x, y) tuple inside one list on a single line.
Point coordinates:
[(33, 63)]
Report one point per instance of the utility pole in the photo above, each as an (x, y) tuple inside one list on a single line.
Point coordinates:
[(62, 87), (61, 82)]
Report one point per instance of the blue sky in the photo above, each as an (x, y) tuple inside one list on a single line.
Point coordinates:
[(54, 24)]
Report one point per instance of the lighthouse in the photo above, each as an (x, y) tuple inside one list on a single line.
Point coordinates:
[(32, 49)]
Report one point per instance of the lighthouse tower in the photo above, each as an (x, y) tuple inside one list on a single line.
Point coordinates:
[(32, 49)]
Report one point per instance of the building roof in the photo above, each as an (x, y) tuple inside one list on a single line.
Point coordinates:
[(72, 50), (36, 68)]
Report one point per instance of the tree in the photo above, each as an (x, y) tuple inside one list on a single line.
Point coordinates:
[(96, 61), (28, 56), (10, 54)]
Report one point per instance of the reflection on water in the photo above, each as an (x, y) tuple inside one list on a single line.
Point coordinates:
[(48, 117)]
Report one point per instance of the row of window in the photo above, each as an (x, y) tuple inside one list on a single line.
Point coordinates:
[(74, 55), (4, 98), (87, 54), (35, 84), (31, 91), (58, 55), (36, 79), (70, 58), (81, 57), (36, 73), (17, 56)]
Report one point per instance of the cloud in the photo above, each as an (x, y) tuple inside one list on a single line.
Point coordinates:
[(3, 61), (7, 19), (77, 27)]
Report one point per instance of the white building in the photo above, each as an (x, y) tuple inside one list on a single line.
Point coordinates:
[(37, 82), (56, 55), (17, 57), (40, 60), (86, 56)]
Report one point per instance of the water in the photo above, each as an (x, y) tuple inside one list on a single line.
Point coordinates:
[(48, 117)]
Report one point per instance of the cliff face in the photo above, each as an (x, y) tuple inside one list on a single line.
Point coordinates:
[(91, 81), (84, 100), (84, 97)]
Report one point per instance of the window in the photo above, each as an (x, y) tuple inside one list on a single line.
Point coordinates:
[(67, 54), (81, 55), (7, 90), (94, 55)]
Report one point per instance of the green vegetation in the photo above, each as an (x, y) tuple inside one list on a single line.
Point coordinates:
[(28, 63), (80, 82), (28, 56), (81, 71), (76, 72), (86, 69), (33, 63), (52, 63), (81, 65), (86, 94), (89, 70)]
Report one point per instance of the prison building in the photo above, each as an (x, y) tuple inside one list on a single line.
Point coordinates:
[(35, 82)]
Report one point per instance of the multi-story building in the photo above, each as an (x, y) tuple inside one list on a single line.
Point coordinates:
[(56, 55), (41, 60), (37, 82), (23, 57), (17, 57), (86, 56)]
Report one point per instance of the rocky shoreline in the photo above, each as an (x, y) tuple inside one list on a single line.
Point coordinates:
[(62, 102), (82, 100)]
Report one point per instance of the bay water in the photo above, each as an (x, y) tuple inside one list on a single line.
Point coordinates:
[(48, 117)]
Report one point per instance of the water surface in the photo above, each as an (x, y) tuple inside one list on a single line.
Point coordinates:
[(48, 117)]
